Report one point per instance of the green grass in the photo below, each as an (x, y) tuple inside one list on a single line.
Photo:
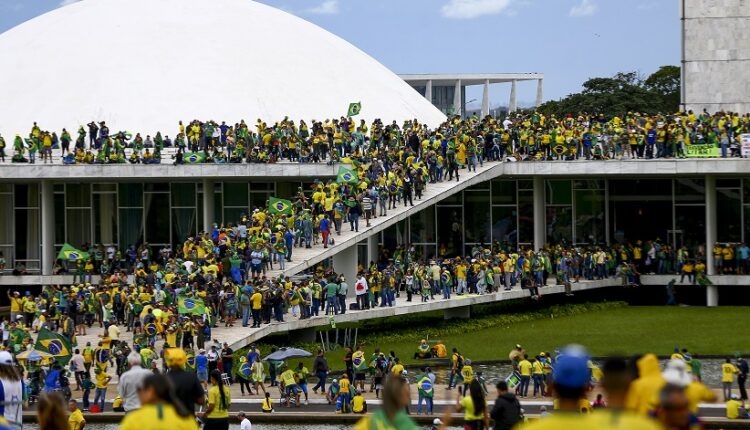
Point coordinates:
[(622, 330)]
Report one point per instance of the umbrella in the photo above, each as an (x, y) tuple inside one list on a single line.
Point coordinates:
[(34, 355), (287, 353)]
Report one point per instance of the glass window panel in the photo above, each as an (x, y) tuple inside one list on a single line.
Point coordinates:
[(259, 200), (691, 221), (6, 188), (235, 194), (558, 192), (656, 189), (643, 220), (728, 183), (78, 224), (585, 184), (6, 219), (450, 227), (183, 194), (130, 195), (589, 216), (183, 224), (477, 213), (422, 227), (689, 190), (394, 236), (455, 199), (728, 215), (218, 207), (505, 225), (559, 224), (233, 215), (105, 187), (262, 186), (157, 219), (59, 200), (503, 192), (28, 234), (131, 227), (27, 195), (105, 219), (483, 186), (525, 184), (78, 195), (157, 186), (525, 217)]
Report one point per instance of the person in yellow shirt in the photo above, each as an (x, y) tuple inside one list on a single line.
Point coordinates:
[(359, 404), (216, 415), (16, 305), (289, 383), (537, 374), (728, 370), (159, 408), (75, 419), (734, 405), (467, 374), (524, 368)]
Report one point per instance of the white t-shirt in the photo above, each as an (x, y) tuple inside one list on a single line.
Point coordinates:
[(245, 425)]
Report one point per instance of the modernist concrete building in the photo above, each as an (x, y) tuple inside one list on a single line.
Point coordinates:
[(447, 91), (715, 55)]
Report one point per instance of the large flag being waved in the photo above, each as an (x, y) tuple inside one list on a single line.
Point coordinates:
[(347, 176), (194, 157), (190, 305), (354, 109), (279, 206), (55, 344), (68, 253)]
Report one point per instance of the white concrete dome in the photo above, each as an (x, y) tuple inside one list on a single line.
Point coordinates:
[(143, 65)]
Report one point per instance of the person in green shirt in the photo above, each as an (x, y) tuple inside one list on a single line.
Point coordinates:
[(332, 290)]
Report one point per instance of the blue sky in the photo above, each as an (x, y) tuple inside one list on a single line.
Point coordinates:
[(567, 40)]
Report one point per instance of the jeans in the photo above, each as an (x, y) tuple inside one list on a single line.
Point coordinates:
[(461, 287), (427, 403), (446, 291), (86, 394), (99, 397), (538, 384), (342, 303), (331, 306), (245, 315), (523, 391), (354, 221), (321, 381), (315, 307)]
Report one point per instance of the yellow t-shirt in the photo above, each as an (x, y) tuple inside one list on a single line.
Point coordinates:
[(612, 419), (727, 372), (158, 417), (733, 409), (214, 398), (102, 379), (288, 378), (469, 414), (358, 404), (344, 385), (257, 299), (467, 373), (525, 367), (15, 304), (75, 420)]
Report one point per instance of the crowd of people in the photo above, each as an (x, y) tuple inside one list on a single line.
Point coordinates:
[(520, 136)]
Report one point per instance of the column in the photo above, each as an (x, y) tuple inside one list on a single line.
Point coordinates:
[(457, 99), (540, 219), (512, 102), (428, 91), (48, 227), (712, 291), (486, 98), (373, 248), (345, 263), (539, 93), (208, 205)]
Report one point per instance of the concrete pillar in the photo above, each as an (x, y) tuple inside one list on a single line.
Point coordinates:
[(345, 263), (512, 103), (464, 313), (428, 91), (373, 250), (539, 93), (486, 98), (457, 99), (540, 218), (209, 200), (48, 227), (712, 291)]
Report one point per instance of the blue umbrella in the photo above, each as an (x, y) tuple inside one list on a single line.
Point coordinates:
[(287, 353)]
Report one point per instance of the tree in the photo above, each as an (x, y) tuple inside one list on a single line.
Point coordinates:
[(624, 92)]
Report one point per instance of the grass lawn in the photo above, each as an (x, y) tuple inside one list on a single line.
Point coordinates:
[(628, 330)]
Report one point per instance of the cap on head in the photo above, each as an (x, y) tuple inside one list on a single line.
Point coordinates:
[(572, 368), (6, 358)]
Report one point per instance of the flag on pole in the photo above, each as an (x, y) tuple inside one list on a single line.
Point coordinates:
[(190, 305), (55, 344), (347, 176), (279, 206), (354, 109), (69, 253)]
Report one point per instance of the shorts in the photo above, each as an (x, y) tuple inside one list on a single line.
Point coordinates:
[(202, 375), (291, 390), (255, 268), (303, 387), (359, 376)]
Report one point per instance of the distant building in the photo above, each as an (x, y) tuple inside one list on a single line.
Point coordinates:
[(715, 55), (447, 91)]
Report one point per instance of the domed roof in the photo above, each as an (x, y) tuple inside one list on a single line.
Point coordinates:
[(143, 65)]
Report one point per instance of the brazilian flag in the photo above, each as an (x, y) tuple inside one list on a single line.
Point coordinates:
[(194, 157), (69, 253), (559, 149), (279, 206), (245, 370), (55, 344), (190, 363), (354, 109), (347, 176), (190, 305)]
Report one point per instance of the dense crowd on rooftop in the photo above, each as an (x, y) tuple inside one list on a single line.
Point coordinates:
[(519, 136)]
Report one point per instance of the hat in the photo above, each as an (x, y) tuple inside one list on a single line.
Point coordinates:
[(436, 422), (5, 357), (572, 369), (676, 373)]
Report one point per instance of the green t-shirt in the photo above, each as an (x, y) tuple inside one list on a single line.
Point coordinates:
[(332, 289)]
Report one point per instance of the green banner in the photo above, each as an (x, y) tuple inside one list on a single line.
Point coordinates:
[(702, 151)]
